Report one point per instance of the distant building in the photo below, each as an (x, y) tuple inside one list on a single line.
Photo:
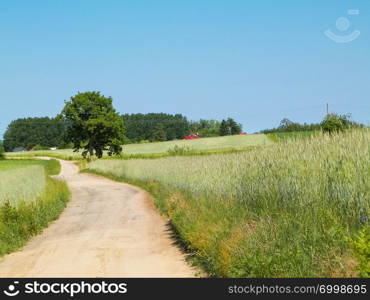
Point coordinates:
[(53, 148), (19, 149)]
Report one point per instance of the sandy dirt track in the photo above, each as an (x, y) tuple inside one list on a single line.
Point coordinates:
[(108, 229)]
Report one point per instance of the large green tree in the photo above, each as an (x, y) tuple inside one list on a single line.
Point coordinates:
[(93, 124)]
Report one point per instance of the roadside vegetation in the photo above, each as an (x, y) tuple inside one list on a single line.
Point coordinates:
[(293, 209), (29, 200)]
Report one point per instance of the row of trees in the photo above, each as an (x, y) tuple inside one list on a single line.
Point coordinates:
[(155, 127), (162, 127), (92, 114), (209, 128), (331, 123), (90, 122), (287, 125), (30, 132)]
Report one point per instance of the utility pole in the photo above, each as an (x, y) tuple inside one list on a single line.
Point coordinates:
[(327, 108)]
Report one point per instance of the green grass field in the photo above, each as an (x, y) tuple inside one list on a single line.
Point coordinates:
[(287, 210), (29, 200), (52, 167), (236, 142), (24, 180)]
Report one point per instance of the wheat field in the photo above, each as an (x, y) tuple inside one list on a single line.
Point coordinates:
[(21, 184), (283, 210)]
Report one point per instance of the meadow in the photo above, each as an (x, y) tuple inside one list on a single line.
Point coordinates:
[(291, 209), (158, 149), (29, 200)]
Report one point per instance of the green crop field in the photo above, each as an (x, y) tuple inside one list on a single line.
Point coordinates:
[(22, 184), (287, 210), (29, 200), (283, 136), (236, 142), (52, 166)]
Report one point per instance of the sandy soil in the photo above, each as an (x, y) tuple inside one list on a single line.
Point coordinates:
[(108, 229)]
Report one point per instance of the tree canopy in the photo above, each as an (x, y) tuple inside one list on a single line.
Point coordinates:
[(92, 124), (229, 127), (287, 125), (30, 132), (335, 122), (205, 128), (155, 126)]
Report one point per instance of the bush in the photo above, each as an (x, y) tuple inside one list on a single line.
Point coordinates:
[(361, 247), (335, 123), (179, 150)]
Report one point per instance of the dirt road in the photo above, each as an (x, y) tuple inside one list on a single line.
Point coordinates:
[(108, 229)]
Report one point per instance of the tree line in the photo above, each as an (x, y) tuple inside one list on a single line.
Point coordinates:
[(34, 132), (92, 114), (331, 122), (155, 127)]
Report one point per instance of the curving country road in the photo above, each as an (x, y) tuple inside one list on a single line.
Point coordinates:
[(108, 229)]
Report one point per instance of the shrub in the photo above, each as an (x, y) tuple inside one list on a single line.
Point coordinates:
[(335, 123), (179, 150), (361, 247)]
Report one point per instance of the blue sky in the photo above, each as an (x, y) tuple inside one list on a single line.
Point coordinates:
[(256, 61)]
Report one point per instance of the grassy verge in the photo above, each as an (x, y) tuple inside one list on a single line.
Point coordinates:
[(21, 220), (289, 210)]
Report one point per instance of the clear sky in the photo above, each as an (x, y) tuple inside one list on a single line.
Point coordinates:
[(256, 61)]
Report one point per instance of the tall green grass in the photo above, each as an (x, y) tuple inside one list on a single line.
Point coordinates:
[(282, 136), (29, 200), (22, 184), (52, 167), (284, 210)]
